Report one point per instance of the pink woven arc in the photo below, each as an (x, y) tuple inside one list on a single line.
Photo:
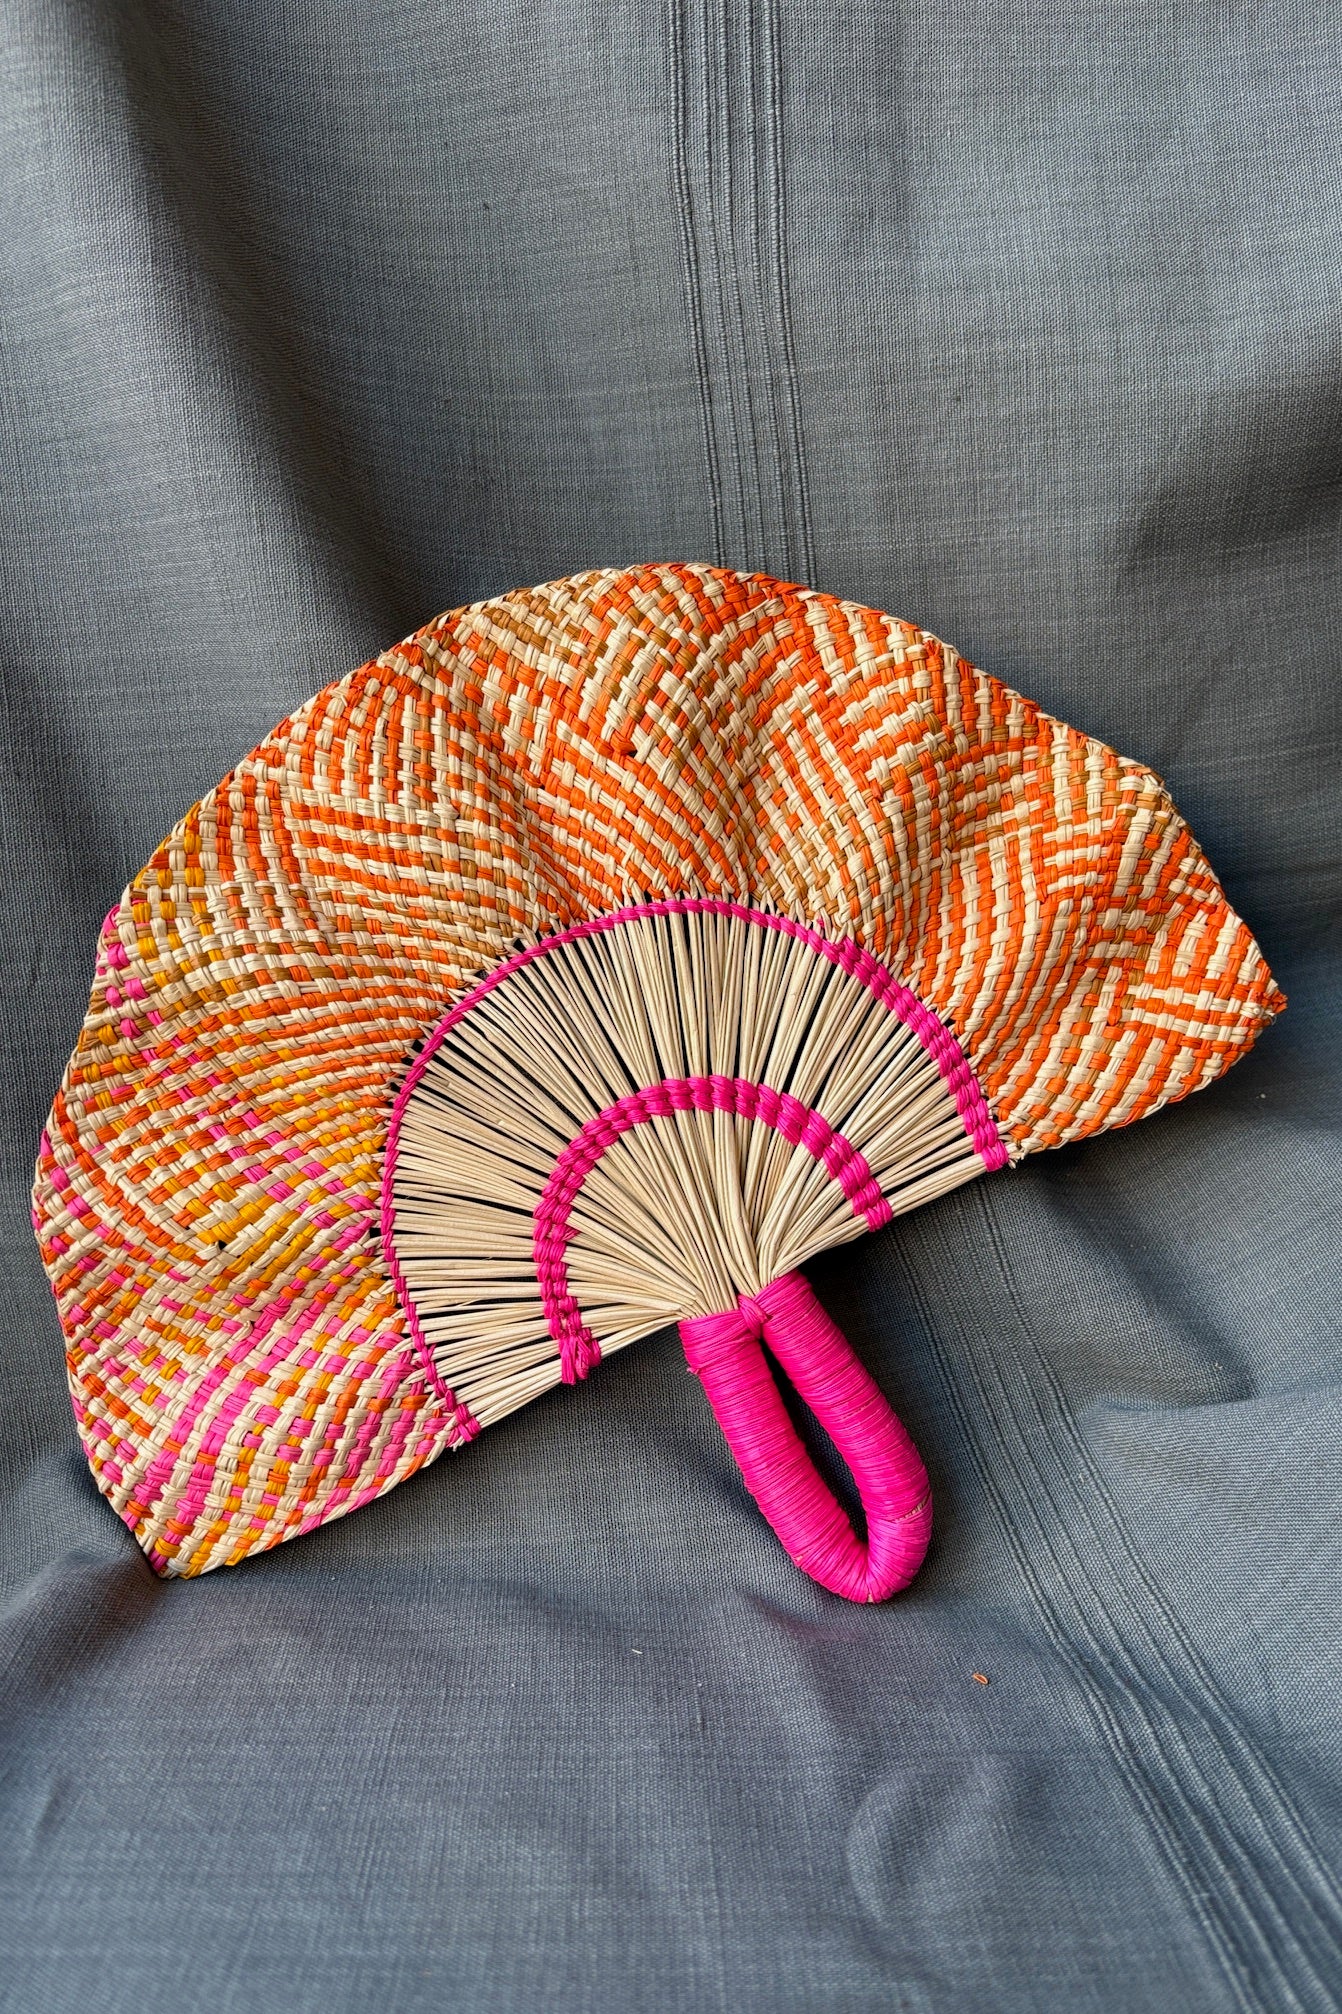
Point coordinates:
[(579, 1350), (725, 1354)]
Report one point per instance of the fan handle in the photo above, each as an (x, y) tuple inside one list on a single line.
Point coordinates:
[(724, 1353)]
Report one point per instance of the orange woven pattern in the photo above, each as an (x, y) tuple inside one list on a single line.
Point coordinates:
[(207, 1190)]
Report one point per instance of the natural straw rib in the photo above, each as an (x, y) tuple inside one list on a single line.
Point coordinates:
[(681, 1213)]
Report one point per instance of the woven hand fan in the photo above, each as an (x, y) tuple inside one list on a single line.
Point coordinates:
[(585, 964)]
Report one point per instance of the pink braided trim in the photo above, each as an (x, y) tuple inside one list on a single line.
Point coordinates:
[(844, 952), (801, 1124)]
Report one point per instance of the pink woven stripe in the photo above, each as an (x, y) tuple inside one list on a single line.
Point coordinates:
[(724, 1352), (248, 1366), (844, 952), (798, 1123)]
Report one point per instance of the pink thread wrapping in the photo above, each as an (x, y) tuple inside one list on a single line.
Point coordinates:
[(579, 1349), (725, 1354), (844, 952)]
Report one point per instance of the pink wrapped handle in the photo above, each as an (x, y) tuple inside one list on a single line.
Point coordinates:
[(724, 1353)]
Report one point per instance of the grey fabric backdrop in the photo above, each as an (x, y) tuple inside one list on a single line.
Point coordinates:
[(1016, 319)]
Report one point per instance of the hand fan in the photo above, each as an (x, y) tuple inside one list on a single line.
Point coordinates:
[(584, 964)]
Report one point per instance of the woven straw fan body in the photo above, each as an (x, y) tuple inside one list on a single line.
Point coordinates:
[(585, 964)]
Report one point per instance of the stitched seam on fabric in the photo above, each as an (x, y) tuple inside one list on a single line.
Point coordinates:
[(1162, 1728), (690, 263), (1148, 1794), (728, 152), (782, 286), (1192, 1697)]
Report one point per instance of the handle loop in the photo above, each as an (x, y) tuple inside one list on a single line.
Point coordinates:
[(725, 1354)]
